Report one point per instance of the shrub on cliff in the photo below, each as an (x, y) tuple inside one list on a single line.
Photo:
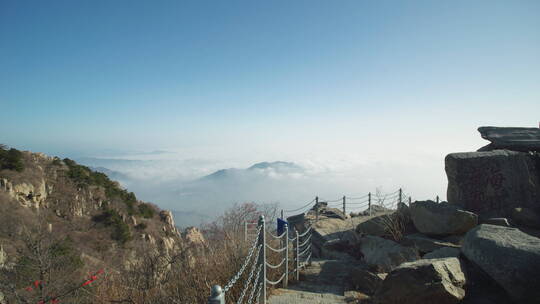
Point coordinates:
[(11, 159)]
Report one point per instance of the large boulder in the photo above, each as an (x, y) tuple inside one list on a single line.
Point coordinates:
[(509, 256), (384, 255), (433, 218), (516, 139), (430, 281), (425, 244), (378, 226), (491, 184), (366, 281)]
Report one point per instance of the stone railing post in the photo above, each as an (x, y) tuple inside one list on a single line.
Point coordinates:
[(217, 296)]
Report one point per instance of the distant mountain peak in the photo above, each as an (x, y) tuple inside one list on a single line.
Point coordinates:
[(276, 164)]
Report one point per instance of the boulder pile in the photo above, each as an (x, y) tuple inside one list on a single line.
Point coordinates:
[(481, 246)]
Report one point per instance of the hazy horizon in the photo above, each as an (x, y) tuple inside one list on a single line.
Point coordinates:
[(360, 94)]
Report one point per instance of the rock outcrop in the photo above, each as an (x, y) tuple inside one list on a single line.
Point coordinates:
[(384, 255), (509, 256), (430, 281), (433, 218), (193, 235), (516, 139), (491, 184)]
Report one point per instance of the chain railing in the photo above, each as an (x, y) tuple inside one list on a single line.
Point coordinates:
[(365, 203), (257, 282)]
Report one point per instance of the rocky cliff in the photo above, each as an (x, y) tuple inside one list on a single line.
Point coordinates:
[(105, 222)]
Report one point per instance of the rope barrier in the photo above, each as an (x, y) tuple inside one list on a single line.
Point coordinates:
[(276, 237), (275, 282), (274, 249), (255, 283), (275, 266), (300, 207), (304, 233), (305, 250)]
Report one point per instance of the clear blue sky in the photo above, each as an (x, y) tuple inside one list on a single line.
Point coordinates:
[(90, 75)]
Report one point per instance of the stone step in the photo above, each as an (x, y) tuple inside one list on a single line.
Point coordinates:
[(322, 282)]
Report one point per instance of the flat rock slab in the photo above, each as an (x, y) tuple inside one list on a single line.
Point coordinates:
[(518, 139), (433, 218)]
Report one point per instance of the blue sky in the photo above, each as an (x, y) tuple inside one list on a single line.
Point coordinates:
[(280, 80)]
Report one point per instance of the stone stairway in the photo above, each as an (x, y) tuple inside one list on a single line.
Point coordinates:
[(324, 282)]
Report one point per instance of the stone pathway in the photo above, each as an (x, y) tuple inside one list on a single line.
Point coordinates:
[(324, 282)]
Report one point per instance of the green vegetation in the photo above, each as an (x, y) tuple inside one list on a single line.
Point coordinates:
[(146, 211), (110, 217), (11, 159), (141, 226), (84, 177)]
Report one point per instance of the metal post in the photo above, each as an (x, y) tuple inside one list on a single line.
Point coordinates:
[(316, 208), (282, 214), (400, 195), (286, 279), (369, 203), (437, 198), (410, 200), (217, 296), (262, 258), (344, 213), (297, 256)]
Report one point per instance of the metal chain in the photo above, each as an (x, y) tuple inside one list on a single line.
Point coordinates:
[(259, 292), (248, 281), (257, 279), (246, 262)]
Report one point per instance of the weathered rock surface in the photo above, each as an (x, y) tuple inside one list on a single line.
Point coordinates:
[(193, 235), (433, 218), (526, 217), (491, 184), (377, 226), (366, 281), (516, 139), (384, 254), (430, 281), (509, 256), (425, 244), (444, 252), (498, 221)]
